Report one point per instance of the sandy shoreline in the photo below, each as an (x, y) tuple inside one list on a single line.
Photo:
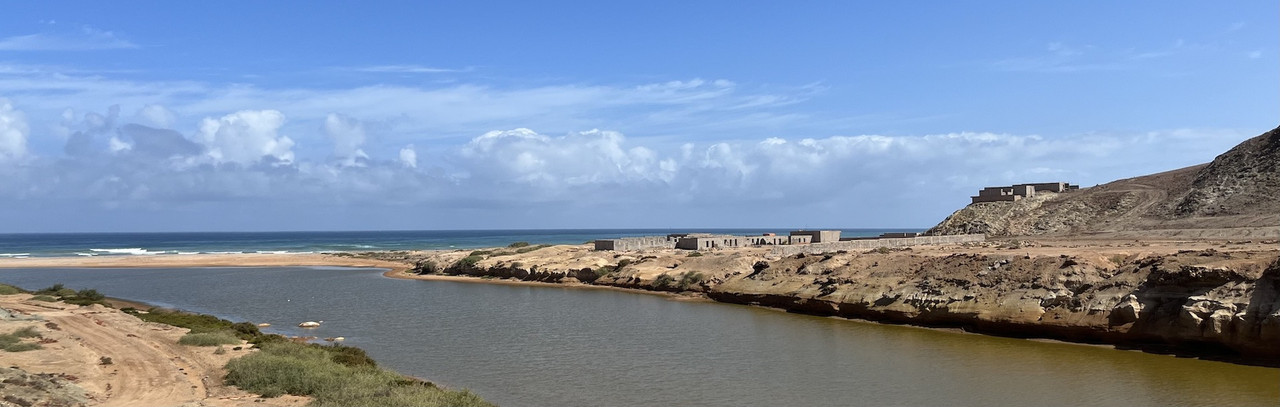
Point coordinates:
[(147, 365)]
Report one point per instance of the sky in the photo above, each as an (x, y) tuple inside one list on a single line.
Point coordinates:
[(319, 115)]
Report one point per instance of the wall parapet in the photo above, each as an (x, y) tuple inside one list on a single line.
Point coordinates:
[(827, 247)]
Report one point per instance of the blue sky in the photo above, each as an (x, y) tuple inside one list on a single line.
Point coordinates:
[(324, 115)]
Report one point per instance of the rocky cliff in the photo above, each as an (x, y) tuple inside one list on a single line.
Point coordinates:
[(1202, 302), (1236, 195)]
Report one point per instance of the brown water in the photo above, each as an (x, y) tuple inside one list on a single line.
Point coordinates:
[(554, 346)]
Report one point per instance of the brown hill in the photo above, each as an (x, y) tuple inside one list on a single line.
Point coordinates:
[(1235, 196)]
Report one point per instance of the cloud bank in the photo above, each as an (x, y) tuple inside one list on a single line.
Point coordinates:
[(241, 165)]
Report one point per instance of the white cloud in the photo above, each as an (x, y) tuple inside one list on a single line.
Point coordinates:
[(348, 136), (84, 39), (246, 137), (409, 157), (156, 116), (403, 69), (13, 132)]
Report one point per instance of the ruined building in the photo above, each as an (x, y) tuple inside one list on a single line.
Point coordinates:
[(1019, 191)]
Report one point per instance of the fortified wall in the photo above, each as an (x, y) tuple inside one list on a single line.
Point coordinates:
[(864, 244)]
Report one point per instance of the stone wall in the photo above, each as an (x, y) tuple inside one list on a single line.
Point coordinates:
[(636, 243), (850, 245)]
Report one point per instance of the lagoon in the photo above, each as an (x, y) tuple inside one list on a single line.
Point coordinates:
[(521, 345)]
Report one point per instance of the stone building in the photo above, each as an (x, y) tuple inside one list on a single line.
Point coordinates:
[(819, 236), (1019, 191)]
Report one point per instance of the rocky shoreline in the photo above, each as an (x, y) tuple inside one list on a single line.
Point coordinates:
[(1214, 300)]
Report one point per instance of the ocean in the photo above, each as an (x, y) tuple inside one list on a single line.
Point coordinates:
[(160, 244)]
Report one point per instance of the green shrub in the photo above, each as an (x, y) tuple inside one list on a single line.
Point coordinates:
[(22, 347), (663, 281), (426, 267), (695, 254), (518, 245), (6, 289), (105, 360), (315, 370), (468, 262), (220, 351), (198, 323), (690, 279), (603, 271), (45, 298), (28, 332), (480, 253), (12, 342), (209, 339)]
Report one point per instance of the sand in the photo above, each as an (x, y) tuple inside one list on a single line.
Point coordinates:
[(148, 367)]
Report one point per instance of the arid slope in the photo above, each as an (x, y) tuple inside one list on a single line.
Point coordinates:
[(1235, 196)]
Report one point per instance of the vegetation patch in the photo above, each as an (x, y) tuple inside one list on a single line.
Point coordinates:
[(518, 245), (695, 254), (690, 279), (209, 339), (6, 289), (336, 376), (45, 298), (198, 323), (663, 281), (12, 342), (468, 262), (426, 267), (69, 296)]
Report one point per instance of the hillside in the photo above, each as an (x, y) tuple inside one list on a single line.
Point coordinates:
[(1237, 195)]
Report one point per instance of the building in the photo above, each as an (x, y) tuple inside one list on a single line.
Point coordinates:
[(1019, 191), (819, 236)]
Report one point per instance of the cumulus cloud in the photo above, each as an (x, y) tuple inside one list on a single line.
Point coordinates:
[(13, 132), (348, 136), (246, 137), (409, 157), (156, 116)]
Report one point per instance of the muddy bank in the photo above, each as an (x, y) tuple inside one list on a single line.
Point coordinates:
[(1219, 300)]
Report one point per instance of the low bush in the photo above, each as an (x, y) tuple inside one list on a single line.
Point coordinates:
[(69, 296), (6, 289), (45, 298), (12, 342), (426, 267), (105, 360), (480, 253), (28, 332), (468, 262), (323, 372), (663, 281), (198, 323), (518, 245), (22, 347), (209, 339), (695, 254), (690, 279)]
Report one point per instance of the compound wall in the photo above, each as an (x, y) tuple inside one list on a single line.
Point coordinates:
[(849, 245)]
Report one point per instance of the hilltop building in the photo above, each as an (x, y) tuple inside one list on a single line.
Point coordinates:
[(1019, 191)]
